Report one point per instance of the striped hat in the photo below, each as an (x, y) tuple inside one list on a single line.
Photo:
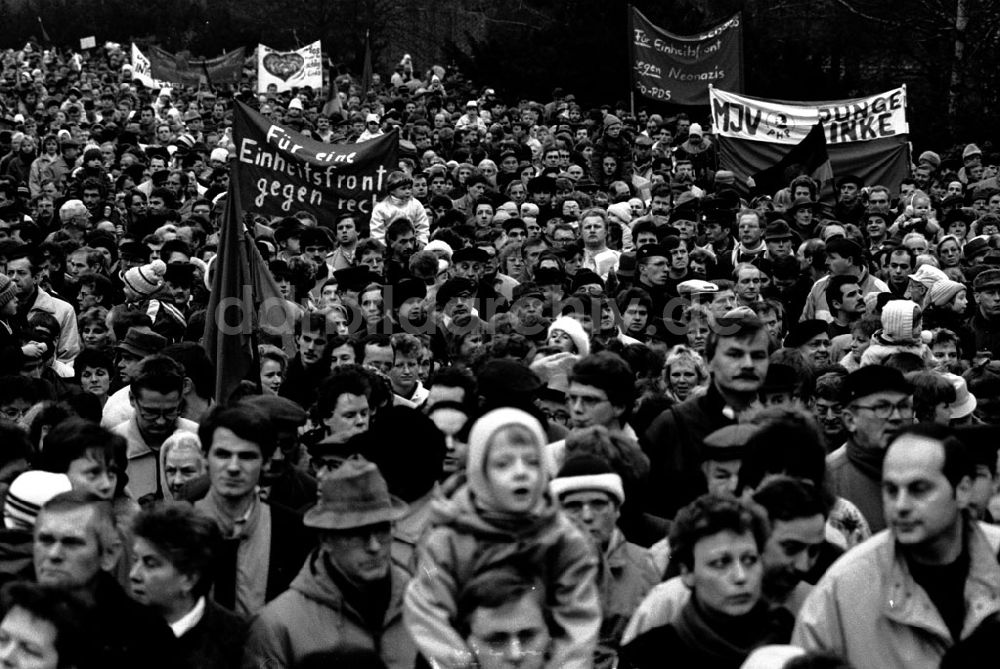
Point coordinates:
[(7, 290), (28, 494), (146, 280)]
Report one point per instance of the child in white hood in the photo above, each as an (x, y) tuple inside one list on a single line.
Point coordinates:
[(901, 332), (503, 514)]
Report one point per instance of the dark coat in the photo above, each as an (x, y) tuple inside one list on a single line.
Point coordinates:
[(290, 543), (674, 443), (216, 642), (127, 634)]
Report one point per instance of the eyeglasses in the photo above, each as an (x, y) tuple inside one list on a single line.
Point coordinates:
[(12, 413), (152, 414), (885, 409)]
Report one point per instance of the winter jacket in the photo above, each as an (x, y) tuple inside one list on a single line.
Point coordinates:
[(391, 208), (869, 611), (312, 616), (462, 544), (628, 575), (816, 306)]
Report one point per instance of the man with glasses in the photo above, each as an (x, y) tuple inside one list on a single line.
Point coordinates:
[(155, 396), (878, 404)]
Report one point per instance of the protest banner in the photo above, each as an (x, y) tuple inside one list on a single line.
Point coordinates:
[(679, 68), (867, 137), (88, 42), (281, 171), (142, 70), (289, 69), (181, 69)]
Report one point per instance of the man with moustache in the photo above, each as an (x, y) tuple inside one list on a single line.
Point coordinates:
[(878, 404), (737, 355)]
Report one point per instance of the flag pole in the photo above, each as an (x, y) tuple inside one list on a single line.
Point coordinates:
[(249, 240)]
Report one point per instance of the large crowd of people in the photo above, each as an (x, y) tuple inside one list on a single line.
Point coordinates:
[(567, 394)]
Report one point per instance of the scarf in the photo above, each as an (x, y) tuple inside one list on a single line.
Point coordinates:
[(867, 460), (370, 600), (743, 254), (245, 557), (726, 640)]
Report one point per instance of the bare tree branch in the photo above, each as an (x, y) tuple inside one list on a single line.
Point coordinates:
[(857, 12)]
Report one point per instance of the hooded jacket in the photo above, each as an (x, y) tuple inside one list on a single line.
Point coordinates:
[(463, 544), (313, 616), (390, 208)]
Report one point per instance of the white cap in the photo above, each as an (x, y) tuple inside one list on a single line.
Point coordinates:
[(438, 245), (695, 129), (472, 103), (295, 103), (219, 154), (167, 91), (696, 286), (372, 118)]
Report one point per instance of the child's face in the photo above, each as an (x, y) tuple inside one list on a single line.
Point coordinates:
[(859, 344), (921, 207), (514, 470)]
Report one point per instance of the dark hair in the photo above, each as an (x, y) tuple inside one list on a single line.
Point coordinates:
[(344, 379), (92, 357), (159, 374), (189, 539), (929, 390), (785, 498), (455, 377), (397, 228), (197, 366), (709, 515), (834, 288), (788, 442), (243, 421), (610, 373), (845, 248), (16, 445), (59, 608), (75, 438), (497, 586), (958, 463)]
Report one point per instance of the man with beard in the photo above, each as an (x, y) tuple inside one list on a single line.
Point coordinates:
[(810, 338), (737, 355), (401, 243), (878, 403), (849, 207)]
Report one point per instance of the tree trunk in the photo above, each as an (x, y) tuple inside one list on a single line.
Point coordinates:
[(957, 64)]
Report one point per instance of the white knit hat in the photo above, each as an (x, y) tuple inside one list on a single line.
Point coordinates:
[(621, 210), (928, 275), (146, 280), (28, 494), (897, 320), (572, 327), (587, 472)]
